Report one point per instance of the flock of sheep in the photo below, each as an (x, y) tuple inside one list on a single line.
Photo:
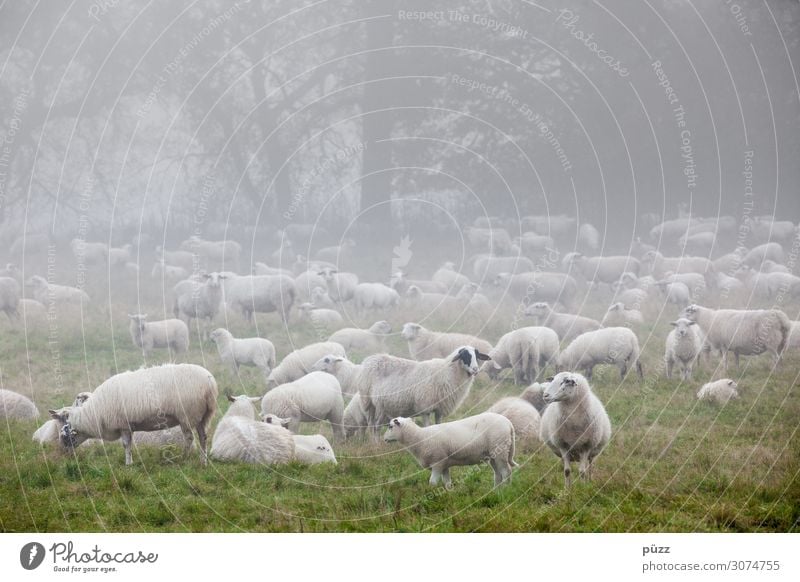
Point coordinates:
[(683, 267)]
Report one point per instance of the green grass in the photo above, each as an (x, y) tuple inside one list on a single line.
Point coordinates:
[(673, 464)]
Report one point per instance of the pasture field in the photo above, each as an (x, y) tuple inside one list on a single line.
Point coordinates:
[(673, 464)]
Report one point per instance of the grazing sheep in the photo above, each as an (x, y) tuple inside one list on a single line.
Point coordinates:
[(539, 286), (424, 344), (321, 318), (391, 386), (315, 397), (180, 258), (684, 346), (321, 298), (9, 297), (618, 316), (793, 341), (261, 294), (199, 300), (355, 418), (60, 295), (575, 424), (602, 269), (566, 325), (527, 351), (469, 441), (743, 332), (534, 394), (400, 283), (119, 256), (364, 341), (656, 264), (719, 391), (14, 406), (172, 334), (241, 437), (253, 351), (144, 400), (610, 345), (375, 296), (214, 251), (756, 256), (345, 371), (525, 418), (452, 280), (300, 362)]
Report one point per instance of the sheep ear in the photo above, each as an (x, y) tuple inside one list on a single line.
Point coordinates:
[(285, 423), (229, 397), (692, 323), (255, 399), (673, 323), (481, 356), (730, 382)]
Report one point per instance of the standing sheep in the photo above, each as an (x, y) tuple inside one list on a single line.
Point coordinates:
[(355, 418), (300, 362), (345, 371), (610, 345), (365, 341), (200, 301), (241, 437), (261, 294), (424, 344), (684, 346), (254, 351), (566, 325), (375, 296), (524, 416), (618, 315), (313, 398), (172, 334), (720, 391), (575, 424), (527, 351)]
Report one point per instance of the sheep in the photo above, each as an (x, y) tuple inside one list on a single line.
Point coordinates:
[(336, 253), (314, 397), (684, 346), (14, 406), (391, 386), (200, 301), (9, 297), (322, 299), (345, 371), (216, 251), (341, 286), (264, 269), (355, 420), (261, 294), (534, 395), (719, 391), (575, 424), (532, 243), (306, 282), (400, 283), (430, 302), (10, 270), (676, 293), (298, 363), (240, 436), (699, 243), (320, 317), (308, 449), (610, 345), (119, 256), (254, 351), (375, 296), (494, 240), (172, 334), (618, 315), (168, 272), (656, 264), (523, 415), (539, 286), (743, 332), (603, 269), (469, 441), (588, 237), (527, 351), (179, 258), (424, 344), (695, 282), (756, 256), (89, 253), (566, 325), (147, 399), (488, 267), (50, 431), (452, 280), (59, 295), (364, 341)]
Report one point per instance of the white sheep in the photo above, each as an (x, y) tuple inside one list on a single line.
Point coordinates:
[(214, 251), (172, 334), (345, 371), (355, 420), (524, 416), (320, 317), (59, 295), (50, 431), (575, 424), (341, 286), (527, 351), (180, 258), (261, 294), (9, 297), (618, 315), (322, 299), (306, 282), (375, 296), (300, 362), (656, 264), (602, 269), (487, 267), (315, 397), (534, 394), (719, 391), (539, 286), (168, 272), (566, 325), (119, 256), (147, 399), (364, 341), (452, 280), (424, 344), (610, 345), (391, 386), (469, 441), (676, 292), (768, 251), (15, 406), (743, 332), (400, 283), (309, 449), (240, 436), (264, 269), (684, 346), (89, 253), (253, 351)]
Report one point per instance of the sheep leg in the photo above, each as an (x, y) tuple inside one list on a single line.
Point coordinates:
[(437, 417), (519, 375), (567, 470), (126, 437), (639, 370), (448, 483), (294, 424), (669, 369), (188, 439), (436, 474), (202, 437), (583, 466)]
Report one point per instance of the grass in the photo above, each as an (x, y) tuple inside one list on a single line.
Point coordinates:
[(673, 464)]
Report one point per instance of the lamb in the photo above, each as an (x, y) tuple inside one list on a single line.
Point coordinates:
[(345, 371), (148, 399), (172, 334), (254, 351), (469, 441), (308, 449), (299, 363), (684, 346), (391, 386), (524, 416), (618, 316), (14, 406), (321, 318), (539, 286), (200, 301), (60, 295), (575, 424), (566, 325), (375, 296), (743, 332), (424, 344), (241, 437), (314, 397), (364, 341), (527, 351), (261, 294), (9, 297), (720, 391), (610, 345)]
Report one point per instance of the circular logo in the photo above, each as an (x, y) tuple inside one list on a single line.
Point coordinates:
[(31, 555)]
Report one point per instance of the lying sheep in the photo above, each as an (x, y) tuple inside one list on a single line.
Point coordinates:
[(60, 295), (172, 334), (144, 400), (424, 344), (469, 441), (527, 351), (719, 392), (575, 424), (314, 397), (50, 432), (374, 296), (345, 371), (684, 346), (610, 345), (320, 317), (618, 315), (15, 406), (309, 449), (566, 325), (241, 437), (525, 418), (299, 362), (364, 341), (235, 352)]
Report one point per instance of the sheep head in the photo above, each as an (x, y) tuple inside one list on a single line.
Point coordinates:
[(411, 331), (275, 420), (563, 387), (396, 425), (468, 357)]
